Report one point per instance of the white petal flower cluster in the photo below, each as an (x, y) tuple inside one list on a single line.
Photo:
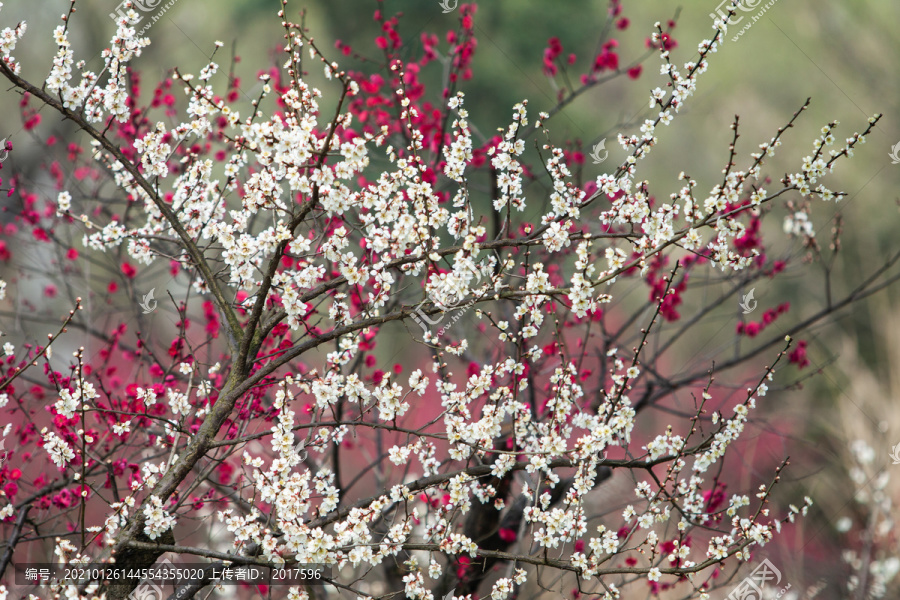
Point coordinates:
[(97, 101), (178, 402), (60, 452), (509, 169), (799, 224), (459, 152), (152, 472), (288, 223), (156, 519), (8, 39), (70, 401)]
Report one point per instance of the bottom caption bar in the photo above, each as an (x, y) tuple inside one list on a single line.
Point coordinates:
[(169, 573)]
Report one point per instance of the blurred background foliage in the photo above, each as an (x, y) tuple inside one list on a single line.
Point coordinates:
[(842, 54)]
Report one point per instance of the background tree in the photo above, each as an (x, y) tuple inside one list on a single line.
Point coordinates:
[(309, 240)]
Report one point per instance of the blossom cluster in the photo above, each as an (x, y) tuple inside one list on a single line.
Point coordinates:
[(304, 252)]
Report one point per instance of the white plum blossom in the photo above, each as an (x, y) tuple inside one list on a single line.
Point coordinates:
[(60, 452), (293, 230), (157, 520)]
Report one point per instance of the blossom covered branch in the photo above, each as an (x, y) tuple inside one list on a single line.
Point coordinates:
[(313, 245)]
